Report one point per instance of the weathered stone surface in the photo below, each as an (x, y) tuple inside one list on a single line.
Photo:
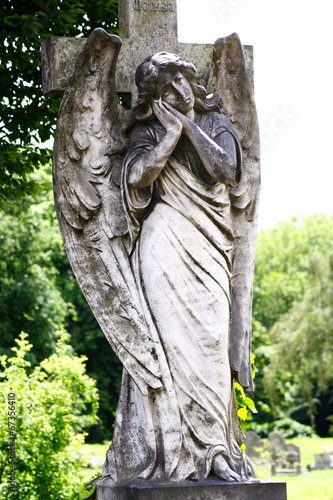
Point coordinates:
[(293, 454), (159, 224), (277, 442), (144, 31), (189, 490), (59, 56), (153, 254), (323, 460), (285, 457)]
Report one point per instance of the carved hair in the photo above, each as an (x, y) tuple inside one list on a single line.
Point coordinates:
[(149, 81)]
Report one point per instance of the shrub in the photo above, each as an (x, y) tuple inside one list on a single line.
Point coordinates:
[(44, 412), (288, 427)]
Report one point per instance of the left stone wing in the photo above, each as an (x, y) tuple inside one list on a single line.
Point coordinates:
[(88, 153)]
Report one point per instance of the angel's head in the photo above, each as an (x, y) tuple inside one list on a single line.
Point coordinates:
[(170, 77)]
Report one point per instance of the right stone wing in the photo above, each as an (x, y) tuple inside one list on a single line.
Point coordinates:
[(230, 77)]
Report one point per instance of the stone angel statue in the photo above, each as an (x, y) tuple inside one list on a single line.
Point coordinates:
[(157, 210)]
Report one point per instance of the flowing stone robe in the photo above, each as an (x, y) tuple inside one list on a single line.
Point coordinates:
[(180, 246)]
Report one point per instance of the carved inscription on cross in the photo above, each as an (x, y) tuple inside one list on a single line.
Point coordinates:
[(145, 27)]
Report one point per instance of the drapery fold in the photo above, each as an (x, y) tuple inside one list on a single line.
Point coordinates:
[(180, 259)]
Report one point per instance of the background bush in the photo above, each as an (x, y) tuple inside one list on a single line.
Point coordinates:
[(288, 427), (54, 403)]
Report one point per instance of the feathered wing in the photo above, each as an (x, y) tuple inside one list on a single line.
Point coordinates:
[(230, 77), (87, 167)]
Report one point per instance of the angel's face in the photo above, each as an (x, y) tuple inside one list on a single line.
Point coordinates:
[(177, 92)]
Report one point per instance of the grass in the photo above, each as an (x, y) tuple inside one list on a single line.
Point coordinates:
[(95, 451), (314, 485)]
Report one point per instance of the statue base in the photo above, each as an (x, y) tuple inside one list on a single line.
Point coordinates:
[(210, 489)]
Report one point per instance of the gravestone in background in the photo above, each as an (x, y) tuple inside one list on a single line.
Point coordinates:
[(322, 461), (253, 444)]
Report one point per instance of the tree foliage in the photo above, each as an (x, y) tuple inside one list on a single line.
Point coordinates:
[(37, 287), (44, 413), (302, 349), (288, 291), (30, 301), (88, 339), (283, 264), (27, 116)]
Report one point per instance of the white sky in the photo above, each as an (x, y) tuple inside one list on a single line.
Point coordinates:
[(293, 85)]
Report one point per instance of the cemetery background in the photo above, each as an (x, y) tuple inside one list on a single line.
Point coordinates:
[(317, 485), (38, 291)]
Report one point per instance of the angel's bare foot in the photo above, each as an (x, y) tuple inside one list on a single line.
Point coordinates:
[(222, 470)]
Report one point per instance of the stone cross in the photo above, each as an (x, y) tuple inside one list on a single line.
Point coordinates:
[(145, 27)]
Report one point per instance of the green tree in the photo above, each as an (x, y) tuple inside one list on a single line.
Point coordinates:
[(102, 364), (283, 264), (283, 275), (44, 413), (27, 116), (29, 298), (302, 350)]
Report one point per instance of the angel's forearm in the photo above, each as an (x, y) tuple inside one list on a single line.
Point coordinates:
[(220, 164), (147, 167)]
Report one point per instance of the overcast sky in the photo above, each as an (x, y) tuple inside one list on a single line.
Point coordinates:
[(293, 85)]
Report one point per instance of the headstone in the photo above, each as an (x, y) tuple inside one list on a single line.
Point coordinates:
[(253, 444), (277, 443), (285, 457), (293, 455), (322, 461)]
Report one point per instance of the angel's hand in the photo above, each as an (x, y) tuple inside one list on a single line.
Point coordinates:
[(219, 163), (170, 122), (184, 120)]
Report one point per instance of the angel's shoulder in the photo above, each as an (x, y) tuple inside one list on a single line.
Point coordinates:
[(214, 123), (146, 131), (219, 119)]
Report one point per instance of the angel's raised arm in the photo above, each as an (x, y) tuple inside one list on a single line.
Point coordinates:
[(219, 154), (145, 168)]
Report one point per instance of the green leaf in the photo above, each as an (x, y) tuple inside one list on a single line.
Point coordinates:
[(242, 413), (85, 493), (250, 404)]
